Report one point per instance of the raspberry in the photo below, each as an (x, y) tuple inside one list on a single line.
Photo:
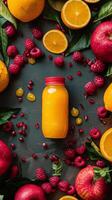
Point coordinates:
[(8, 127), (19, 60), (14, 69), (71, 190), (12, 51), (14, 171), (79, 162), (81, 150), (10, 30), (54, 180), (95, 133), (59, 61), (36, 53), (37, 33), (29, 44), (63, 186), (99, 81), (98, 66), (47, 187), (90, 88), (101, 112), (69, 153), (100, 163), (77, 56), (40, 174)]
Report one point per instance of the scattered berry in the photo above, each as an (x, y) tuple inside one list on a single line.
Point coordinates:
[(10, 30), (14, 69), (79, 162), (70, 77), (54, 158), (37, 33), (29, 44), (97, 67), (77, 56), (19, 60), (45, 146), (79, 73), (36, 53), (99, 81), (71, 190), (8, 126), (40, 174), (14, 172), (30, 87), (75, 112), (22, 114), (78, 121), (21, 139), (63, 186), (12, 51), (101, 112), (70, 64), (100, 163), (13, 146), (59, 61), (81, 150), (95, 133), (81, 131), (90, 88), (34, 156), (13, 133), (54, 180), (47, 187), (69, 153)]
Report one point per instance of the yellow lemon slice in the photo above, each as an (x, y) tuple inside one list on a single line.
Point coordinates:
[(55, 41), (106, 145), (75, 14)]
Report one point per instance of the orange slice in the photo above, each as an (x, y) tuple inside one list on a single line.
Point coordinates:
[(91, 1), (67, 197), (75, 14), (108, 98), (106, 145), (55, 41)]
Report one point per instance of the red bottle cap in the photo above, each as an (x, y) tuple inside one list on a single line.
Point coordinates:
[(55, 80)]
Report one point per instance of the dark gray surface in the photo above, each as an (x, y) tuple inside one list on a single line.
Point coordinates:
[(37, 72)]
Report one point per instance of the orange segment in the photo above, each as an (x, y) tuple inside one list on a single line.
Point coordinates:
[(75, 14), (106, 145), (91, 1), (67, 197), (55, 41), (108, 98)]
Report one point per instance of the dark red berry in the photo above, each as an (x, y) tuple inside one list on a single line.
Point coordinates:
[(95, 133), (37, 33), (21, 139), (10, 30), (101, 112), (90, 88), (79, 162), (36, 53), (59, 61), (63, 186), (12, 51), (77, 56)]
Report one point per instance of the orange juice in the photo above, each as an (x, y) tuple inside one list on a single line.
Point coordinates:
[(55, 103)]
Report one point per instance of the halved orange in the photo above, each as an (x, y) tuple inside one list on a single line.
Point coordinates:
[(106, 145), (75, 14), (67, 197), (55, 41), (108, 98), (91, 1)]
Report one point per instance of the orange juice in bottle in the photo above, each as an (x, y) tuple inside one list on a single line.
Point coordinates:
[(55, 104)]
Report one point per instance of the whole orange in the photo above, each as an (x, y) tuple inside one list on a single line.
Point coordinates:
[(26, 10)]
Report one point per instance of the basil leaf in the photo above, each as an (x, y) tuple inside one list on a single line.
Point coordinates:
[(4, 43), (109, 71), (105, 11), (4, 12), (81, 44)]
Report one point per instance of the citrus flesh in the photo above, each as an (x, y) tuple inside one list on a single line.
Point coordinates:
[(106, 145), (67, 197), (4, 76), (55, 41), (108, 98), (75, 14), (26, 10), (91, 1)]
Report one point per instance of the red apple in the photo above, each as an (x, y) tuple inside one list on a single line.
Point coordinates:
[(87, 188), (101, 41), (5, 158), (30, 192)]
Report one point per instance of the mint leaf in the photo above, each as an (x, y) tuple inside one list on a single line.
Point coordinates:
[(104, 173), (57, 168), (4, 44), (105, 11), (109, 71), (82, 43), (4, 12), (6, 113)]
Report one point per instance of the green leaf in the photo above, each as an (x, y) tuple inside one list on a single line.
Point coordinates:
[(105, 173), (93, 151), (105, 11), (1, 197), (4, 12), (2, 21), (57, 4), (109, 71), (82, 43), (4, 43), (57, 168), (6, 113)]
